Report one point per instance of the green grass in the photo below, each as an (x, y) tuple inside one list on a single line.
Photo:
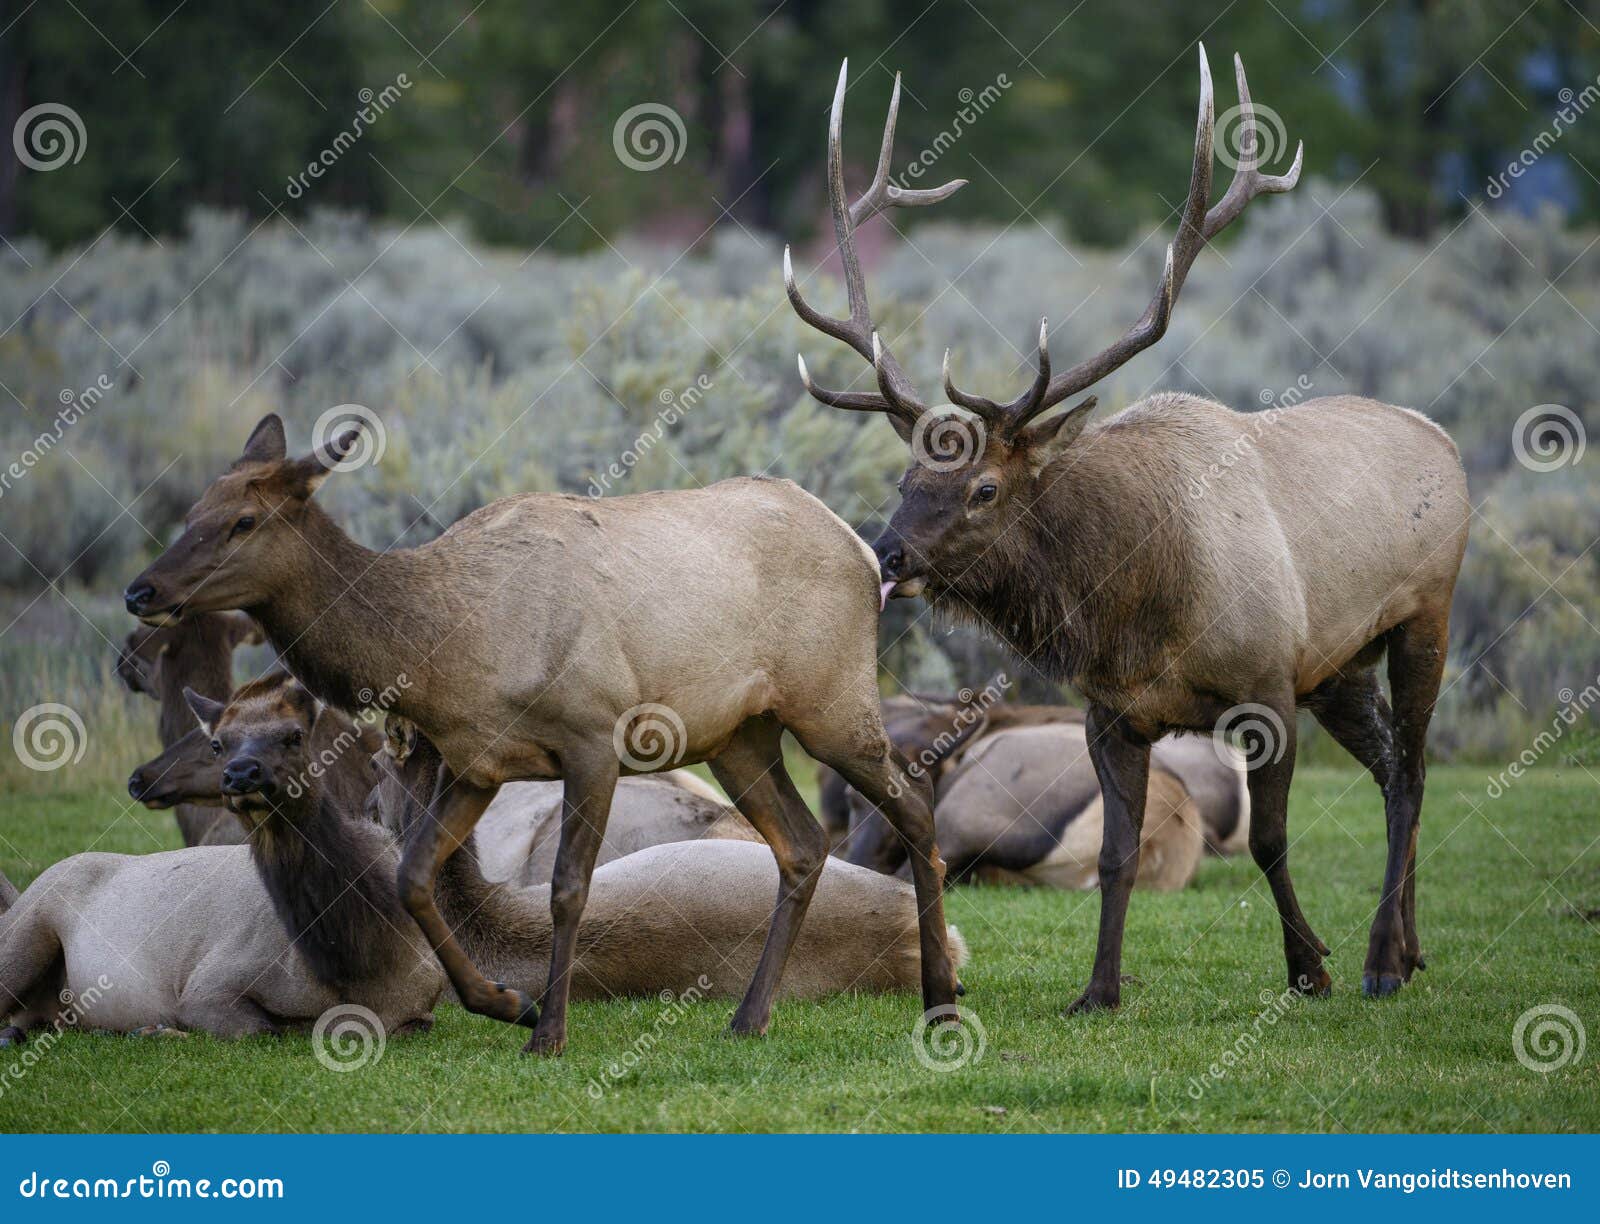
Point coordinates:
[(1505, 885)]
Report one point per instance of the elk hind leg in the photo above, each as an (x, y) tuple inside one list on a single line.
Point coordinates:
[(1350, 707), (1416, 667), (868, 763), (1271, 766), (751, 770)]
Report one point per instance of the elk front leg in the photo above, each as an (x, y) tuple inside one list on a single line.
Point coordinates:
[(455, 808), (588, 782), (1122, 764)]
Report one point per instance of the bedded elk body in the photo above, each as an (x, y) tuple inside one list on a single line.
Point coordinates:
[(1177, 591), (161, 662), (235, 940), (547, 636)]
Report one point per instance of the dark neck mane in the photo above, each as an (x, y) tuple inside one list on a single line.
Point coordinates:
[(331, 879), (1090, 585)]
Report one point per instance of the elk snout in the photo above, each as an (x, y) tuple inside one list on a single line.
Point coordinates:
[(894, 579), (138, 785), (139, 597), (244, 776)]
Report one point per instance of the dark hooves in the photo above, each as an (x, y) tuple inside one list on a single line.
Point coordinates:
[(545, 1047), (11, 1035), (1313, 986), (1089, 1001), (1380, 985), (527, 1008)]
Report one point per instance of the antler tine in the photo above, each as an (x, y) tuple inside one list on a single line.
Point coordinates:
[(1248, 182), (1024, 403), (898, 397)]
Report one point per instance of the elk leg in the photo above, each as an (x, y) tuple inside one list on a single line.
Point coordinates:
[(1416, 667), (1122, 764), (1351, 708), (455, 808), (588, 782), (1270, 775), (751, 770), (876, 770)]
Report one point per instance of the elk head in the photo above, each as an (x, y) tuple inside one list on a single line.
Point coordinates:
[(240, 539), (977, 473), (261, 736), (149, 651)]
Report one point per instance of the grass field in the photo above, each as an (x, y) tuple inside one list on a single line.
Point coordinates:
[(1509, 906)]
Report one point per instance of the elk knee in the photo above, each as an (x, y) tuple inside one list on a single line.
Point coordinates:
[(416, 885)]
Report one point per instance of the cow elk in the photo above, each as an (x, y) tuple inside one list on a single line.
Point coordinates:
[(161, 662), (1334, 536), (547, 636)]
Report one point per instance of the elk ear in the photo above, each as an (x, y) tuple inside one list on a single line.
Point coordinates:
[(207, 711), (401, 734), (266, 443), (1050, 438), (305, 476), (302, 704)]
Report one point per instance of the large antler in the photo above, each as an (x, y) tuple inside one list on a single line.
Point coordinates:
[(1195, 229), (895, 394)]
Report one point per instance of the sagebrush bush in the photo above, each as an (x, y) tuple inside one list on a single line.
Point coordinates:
[(496, 372)]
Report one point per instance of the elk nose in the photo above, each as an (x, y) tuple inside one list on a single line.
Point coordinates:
[(242, 775), (136, 784), (137, 597), (891, 557)]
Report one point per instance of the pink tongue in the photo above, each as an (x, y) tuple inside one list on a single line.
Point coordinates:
[(883, 594)]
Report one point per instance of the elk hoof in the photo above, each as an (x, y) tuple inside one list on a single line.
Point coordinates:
[(11, 1035), (747, 1026), (525, 1009), (1380, 985), (546, 1045), (1314, 985), (1093, 1000)]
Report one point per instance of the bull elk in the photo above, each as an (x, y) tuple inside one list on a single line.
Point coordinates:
[(1336, 536), (547, 636)]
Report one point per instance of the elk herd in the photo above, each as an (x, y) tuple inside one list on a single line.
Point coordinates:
[(496, 840)]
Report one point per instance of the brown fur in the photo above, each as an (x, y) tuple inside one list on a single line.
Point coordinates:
[(161, 662), (746, 608)]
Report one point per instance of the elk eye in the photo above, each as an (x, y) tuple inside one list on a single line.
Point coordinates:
[(243, 525), (987, 492), (216, 748), (293, 739)]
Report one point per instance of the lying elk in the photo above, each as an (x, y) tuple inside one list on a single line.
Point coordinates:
[(161, 663), (1023, 805), (1336, 536), (547, 636), (937, 734), (236, 940)]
